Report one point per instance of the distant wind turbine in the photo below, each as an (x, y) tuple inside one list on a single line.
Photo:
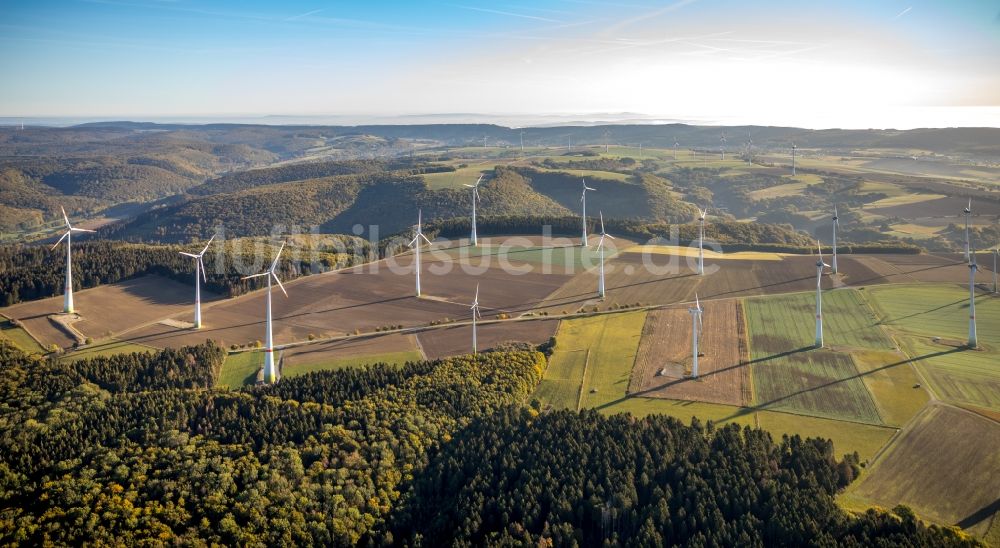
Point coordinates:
[(68, 236), (583, 200), (995, 253), (475, 198), (793, 159), (749, 149), (600, 248), (199, 275), (475, 315), (415, 244), (723, 146), (676, 144), (973, 267), (836, 225), (967, 212), (819, 296), (270, 372), (696, 327), (701, 241)]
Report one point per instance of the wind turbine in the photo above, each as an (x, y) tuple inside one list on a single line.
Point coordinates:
[(973, 267), (600, 247), (696, 327), (199, 269), (583, 200), (967, 212), (723, 146), (995, 253), (475, 198), (68, 236), (415, 243), (270, 373), (819, 297), (676, 144), (836, 224), (475, 315), (793, 159), (749, 149), (701, 241)]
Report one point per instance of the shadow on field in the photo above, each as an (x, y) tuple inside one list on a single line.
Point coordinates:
[(768, 405), (979, 515), (915, 314)]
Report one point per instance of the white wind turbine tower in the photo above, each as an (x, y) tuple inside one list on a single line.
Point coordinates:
[(701, 240), (819, 297), (68, 236), (475, 198), (967, 212), (749, 149), (475, 315), (600, 247), (793, 159), (270, 373), (973, 267), (676, 144), (723, 139), (836, 225), (995, 253), (415, 243), (696, 327), (199, 272), (583, 200)]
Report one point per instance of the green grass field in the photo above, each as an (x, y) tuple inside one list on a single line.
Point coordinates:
[(461, 175), (241, 369), (789, 375), (20, 338), (108, 348), (610, 341), (682, 410), (918, 313), (893, 383), (390, 358), (847, 437)]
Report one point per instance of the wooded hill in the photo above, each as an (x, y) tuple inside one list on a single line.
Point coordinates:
[(135, 450)]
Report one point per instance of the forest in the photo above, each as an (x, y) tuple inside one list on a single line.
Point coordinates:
[(137, 449)]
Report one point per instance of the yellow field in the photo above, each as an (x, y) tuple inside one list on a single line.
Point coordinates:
[(790, 189), (683, 251), (903, 199), (455, 179)]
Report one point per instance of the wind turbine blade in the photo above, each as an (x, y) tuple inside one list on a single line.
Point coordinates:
[(255, 275), (479, 180), (75, 229), (697, 303), (591, 189), (425, 238), (276, 257), (55, 245), (601, 213), (208, 244), (65, 218), (201, 263), (279, 283), (470, 186), (609, 236), (188, 254), (477, 294), (414, 240)]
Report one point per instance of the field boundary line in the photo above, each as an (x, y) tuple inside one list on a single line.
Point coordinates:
[(420, 347), (583, 381), (25, 328)]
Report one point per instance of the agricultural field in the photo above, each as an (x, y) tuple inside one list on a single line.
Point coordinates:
[(663, 364), (462, 175), (943, 465), (20, 338), (448, 341), (916, 314), (109, 310), (789, 375), (847, 437), (655, 277), (363, 299), (592, 361), (241, 369), (393, 348), (106, 348)]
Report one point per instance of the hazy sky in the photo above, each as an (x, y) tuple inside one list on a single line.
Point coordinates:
[(814, 63)]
